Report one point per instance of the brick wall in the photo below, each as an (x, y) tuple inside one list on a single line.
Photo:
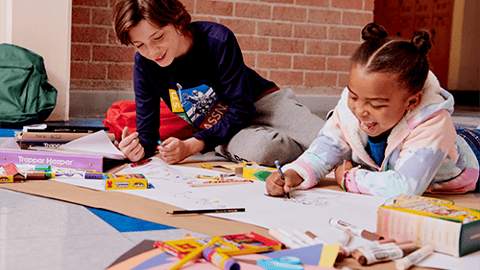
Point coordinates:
[(303, 44)]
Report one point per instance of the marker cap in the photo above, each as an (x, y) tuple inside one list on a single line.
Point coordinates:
[(304, 237), (43, 167), (371, 236), (276, 234), (407, 261), (283, 238)]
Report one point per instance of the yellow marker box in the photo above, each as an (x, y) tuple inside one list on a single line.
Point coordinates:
[(447, 228), (6, 178), (125, 181)]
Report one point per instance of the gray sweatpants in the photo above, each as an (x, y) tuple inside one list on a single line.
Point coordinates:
[(281, 129)]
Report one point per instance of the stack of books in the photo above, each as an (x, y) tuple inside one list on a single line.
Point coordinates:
[(51, 136)]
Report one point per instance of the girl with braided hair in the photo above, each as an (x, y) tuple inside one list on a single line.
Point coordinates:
[(392, 128)]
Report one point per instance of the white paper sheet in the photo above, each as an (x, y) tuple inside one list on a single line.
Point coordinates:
[(307, 210), (10, 143), (96, 143)]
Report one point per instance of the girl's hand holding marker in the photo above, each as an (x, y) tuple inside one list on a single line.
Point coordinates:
[(286, 187), (279, 183)]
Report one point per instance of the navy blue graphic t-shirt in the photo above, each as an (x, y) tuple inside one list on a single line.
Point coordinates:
[(210, 87)]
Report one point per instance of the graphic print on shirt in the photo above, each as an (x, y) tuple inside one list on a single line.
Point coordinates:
[(199, 106), (177, 106)]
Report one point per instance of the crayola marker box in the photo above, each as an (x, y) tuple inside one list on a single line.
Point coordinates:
[(412, 198), (449, 229), (125, 181), (231, 245)]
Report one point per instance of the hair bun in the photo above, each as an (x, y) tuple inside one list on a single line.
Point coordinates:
[(372, 30), (421, 40)]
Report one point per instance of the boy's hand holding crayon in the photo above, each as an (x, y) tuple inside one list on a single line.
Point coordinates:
[(277, 187), (175, 150)]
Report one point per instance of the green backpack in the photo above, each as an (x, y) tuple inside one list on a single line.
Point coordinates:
[(26, 97)]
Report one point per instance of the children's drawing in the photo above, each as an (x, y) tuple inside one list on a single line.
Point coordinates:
[(197, 199), (315, 197), (157, 169)]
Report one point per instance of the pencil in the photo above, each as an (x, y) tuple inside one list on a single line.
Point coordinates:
[(206, 211), (221, 182), (212, 177)]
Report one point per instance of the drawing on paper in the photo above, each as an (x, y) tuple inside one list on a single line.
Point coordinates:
[(316, 197), (157, 170), (197, 200)]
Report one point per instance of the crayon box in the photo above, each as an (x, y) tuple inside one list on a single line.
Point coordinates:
[(237, 244), (449, 229), (125, 181), (254, 172), (6, 179)]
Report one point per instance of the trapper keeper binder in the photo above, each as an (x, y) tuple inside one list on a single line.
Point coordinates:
[(66, 160), (449, 229), (91, 152)]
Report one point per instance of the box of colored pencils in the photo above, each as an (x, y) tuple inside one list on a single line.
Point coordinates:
[(125, 181), (237, 244), (449, 229)]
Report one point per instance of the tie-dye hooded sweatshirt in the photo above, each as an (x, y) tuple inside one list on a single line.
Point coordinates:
[(423, 153)]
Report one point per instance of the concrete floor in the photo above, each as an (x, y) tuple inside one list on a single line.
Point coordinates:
[(43, 234)]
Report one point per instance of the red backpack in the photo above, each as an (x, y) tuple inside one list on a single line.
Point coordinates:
[(122, 114)]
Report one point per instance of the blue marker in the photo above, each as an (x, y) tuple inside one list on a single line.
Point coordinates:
[(281, 175), (161, 143)]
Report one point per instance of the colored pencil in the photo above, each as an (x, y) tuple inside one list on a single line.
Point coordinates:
[(206, 211), (220, 182)]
